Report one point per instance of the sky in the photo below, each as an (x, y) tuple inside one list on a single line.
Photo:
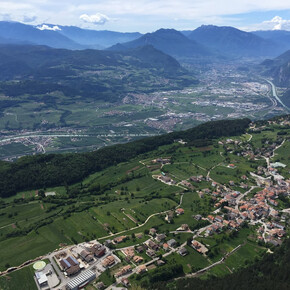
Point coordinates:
[(149, 15)]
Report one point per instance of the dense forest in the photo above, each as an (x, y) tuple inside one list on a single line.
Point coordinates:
[(271, 272), (89, 74), (41, 171)]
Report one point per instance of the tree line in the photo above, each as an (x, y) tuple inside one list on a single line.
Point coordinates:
[(48, 170)]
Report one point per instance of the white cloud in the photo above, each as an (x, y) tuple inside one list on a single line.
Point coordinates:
[(98, 18), (276, 23), (47, 27), (144, 15)]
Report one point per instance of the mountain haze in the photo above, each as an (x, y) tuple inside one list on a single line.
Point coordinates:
[(233, 42), (169, 41), (279, 69), (98, 39), (18, 33), (280, 37)]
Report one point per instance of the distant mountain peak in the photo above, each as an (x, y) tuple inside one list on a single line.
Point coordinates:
[(232, 41), (169, 41)]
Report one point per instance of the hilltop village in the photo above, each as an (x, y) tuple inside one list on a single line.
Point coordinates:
[(238, 202)]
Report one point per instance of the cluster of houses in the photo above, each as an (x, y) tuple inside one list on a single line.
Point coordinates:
[(186, 184), (75, 259), (230, 141), (227, 197), (272, 233), (253, 210), (131, 256), (217, 224)]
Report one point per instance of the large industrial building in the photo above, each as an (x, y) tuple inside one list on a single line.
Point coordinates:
[(81, 280)]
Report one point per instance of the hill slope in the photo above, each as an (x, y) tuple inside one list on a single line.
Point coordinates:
[(279, 69), (86, 73), (56, 169), (280, 37)]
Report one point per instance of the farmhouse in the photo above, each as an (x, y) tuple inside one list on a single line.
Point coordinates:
[(153, 245), (160, 237), (171, 243), (179, 211), (120, 239), (183, 252)]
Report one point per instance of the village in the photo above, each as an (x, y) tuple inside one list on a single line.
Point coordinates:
[(250, 200)]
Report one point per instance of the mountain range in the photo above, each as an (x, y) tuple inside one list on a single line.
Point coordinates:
[(279, 69), (169, 41), (98, 39), (69, 37), (233, 42), (93, 74), (205, 41)]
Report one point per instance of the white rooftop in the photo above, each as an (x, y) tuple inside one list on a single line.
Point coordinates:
[(80, 279)]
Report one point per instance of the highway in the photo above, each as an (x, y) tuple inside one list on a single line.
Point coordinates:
[(274, 92), (11, 138)]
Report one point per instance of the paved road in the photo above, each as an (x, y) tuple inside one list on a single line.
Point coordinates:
[(210, 266), (11, 138), (243, 195), (134, 228), (286, 210), (274, 92)]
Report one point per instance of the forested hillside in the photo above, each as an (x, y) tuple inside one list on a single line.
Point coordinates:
[(89, 74), (42, 171)]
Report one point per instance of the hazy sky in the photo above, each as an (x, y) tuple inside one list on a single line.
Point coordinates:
[(150, 15)]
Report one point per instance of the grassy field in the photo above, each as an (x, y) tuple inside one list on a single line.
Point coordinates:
[(15, 149), (222, 244), (133, 195), (191, 262), (21, 279)]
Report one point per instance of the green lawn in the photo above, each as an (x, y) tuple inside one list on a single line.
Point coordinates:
[(18, 280), (191, 262)]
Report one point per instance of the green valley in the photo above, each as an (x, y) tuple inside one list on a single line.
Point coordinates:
[(203, 202)]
